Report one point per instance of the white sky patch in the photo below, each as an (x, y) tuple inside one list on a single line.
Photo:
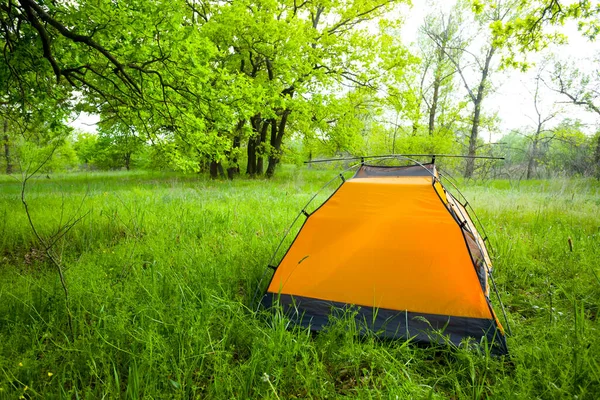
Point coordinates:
[(85, 122)]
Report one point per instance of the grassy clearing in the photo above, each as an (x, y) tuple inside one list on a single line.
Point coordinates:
[(162, 270)]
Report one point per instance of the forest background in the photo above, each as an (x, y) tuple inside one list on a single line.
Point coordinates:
[(241, 87)]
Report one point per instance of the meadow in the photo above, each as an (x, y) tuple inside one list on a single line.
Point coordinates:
[(163, 267)]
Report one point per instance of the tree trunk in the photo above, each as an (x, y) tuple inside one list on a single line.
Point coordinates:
[(252, 143), (272, 155), (234, 168), (437, 82), (251, 162), (127, 161), (531, 162), (473, 141), (277, 133), (260, 169), (477, 100), (9, 167), (432, 109), (255, 152), (216, 169), (442, 41), (533, 156), (532, 159), (213, 170), (261, 149), (231, 173)]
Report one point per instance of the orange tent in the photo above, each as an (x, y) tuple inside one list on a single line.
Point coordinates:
[(394, 243)]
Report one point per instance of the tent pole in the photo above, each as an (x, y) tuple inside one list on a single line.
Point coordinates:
[(363, 158), (500, 301)]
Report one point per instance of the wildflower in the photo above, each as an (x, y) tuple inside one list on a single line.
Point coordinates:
[(50, 374), (20, 364), (266, 377)]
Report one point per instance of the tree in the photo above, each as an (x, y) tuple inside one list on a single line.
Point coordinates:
[(291, 52), (32, 107), (571, 152), (336, 124), (198, 79), (581, 89), (32, 126), (480, 63), (116, 146), (404, 85), (143, 63), (7, 144), (541, 120), (80, 44), (419, 98), (85, 147), (529, 31), (441, 49), (513, 147)]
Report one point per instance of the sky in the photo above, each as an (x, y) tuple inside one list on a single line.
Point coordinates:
[(85, 122), (513, 98)]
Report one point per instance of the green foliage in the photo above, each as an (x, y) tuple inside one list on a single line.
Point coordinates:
[(571, 152), (339, 124), (63, 159), (563, 151), (112, 149), (529, 32), (85, 147), (514, 148), (408, 143), (33, 141), (193, 79)]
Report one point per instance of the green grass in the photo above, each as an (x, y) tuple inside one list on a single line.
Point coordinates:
[(163, 269)]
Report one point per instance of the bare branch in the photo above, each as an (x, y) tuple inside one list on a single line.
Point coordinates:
[(352, 21)]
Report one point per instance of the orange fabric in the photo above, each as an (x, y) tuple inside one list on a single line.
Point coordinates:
[(387, 243)]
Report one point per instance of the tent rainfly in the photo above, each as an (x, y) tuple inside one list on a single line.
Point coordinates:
[(392, 244)]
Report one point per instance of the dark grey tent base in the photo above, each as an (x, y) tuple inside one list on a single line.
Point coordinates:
[(391, 324)]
